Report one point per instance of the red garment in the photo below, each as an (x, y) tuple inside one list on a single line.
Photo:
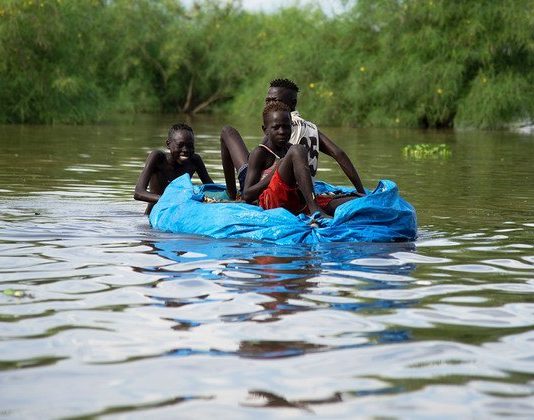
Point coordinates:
[(323, 200), (279, 194)]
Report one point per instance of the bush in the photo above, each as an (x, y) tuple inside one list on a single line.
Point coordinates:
[(411, 63)]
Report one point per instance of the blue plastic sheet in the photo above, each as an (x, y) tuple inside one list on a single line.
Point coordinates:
[(381, 216)]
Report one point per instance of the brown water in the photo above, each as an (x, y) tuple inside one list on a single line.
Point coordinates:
[(103, 316)]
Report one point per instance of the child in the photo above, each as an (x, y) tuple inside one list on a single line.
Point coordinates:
[(278, 174), (163, 167), (234, 152)]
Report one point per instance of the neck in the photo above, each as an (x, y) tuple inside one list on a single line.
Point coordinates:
[(279, 150)]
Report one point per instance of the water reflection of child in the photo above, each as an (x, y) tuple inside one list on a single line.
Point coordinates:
[(163, 167)]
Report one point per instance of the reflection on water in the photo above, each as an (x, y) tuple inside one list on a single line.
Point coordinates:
[(103, 316)]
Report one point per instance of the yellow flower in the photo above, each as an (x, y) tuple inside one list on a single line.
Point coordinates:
[(397, 120), (439, 91), (312, 85), (484, 80), (362, 69)]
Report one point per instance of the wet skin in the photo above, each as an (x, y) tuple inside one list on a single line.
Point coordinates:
[(234, 152), (161, 168), (293, 168)]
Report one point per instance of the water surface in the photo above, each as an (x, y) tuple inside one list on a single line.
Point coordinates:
[(103, 316)]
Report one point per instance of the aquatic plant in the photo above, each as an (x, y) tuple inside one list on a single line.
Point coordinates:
[(16, 293), (426, 150)]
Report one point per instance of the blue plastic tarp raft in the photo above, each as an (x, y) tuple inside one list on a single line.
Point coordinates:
[(381, 216)]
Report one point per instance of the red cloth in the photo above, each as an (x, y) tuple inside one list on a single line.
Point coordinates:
[(323, 200), (279, 194)]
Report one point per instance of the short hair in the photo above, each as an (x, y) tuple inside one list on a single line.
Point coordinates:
[(284, 83), (275, 106), (179, 127)]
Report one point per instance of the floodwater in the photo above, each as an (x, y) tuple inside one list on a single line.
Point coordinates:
[(102, 316)]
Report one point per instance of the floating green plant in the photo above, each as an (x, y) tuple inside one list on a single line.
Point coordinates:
[(425, 150), (15, 293)]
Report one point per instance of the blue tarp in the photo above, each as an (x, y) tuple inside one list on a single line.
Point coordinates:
[(381, 216)]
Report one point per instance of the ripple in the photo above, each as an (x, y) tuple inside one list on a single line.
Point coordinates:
[(509, 263), (473, 268), (409, 257), (377, 262), (335, 280), (464, 299), (371, 276), (180, 289), (500, 388), (75, 287), (437, 243), (330, 299), (507, 316), (115, 310), (240, 274)]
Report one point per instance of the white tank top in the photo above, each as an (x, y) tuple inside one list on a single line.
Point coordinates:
[(306, 133)]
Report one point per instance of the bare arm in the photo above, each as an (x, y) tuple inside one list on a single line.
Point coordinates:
[(254, 185), (151, 167), (201, 170), (328, 147)]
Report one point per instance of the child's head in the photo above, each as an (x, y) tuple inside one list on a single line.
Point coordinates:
[(277, 122), (181, 142), (283, 90)]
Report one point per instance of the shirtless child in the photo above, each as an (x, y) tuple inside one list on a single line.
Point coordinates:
[(163, 167), (278, 174)]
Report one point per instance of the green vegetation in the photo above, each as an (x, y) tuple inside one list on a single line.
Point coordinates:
[(425, 150), (409, 63), (16, 293)]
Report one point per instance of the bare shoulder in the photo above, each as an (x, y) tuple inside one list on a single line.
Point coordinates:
[(156, 157), (196, 159), (257, 156), (258, 151), (157, 154)]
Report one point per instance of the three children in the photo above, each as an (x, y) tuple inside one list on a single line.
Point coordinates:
[(277, 173)]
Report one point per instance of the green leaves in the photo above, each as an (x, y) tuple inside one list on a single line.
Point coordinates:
[(409, 63)]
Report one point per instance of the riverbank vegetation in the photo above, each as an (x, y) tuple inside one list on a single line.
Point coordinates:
[(409, 63)]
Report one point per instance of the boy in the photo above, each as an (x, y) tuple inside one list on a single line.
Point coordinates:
[(278, 174), (234, 153), (163, 167)]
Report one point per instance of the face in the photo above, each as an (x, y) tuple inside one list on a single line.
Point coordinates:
[(181, 145), (277, 127), (287, 96)]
